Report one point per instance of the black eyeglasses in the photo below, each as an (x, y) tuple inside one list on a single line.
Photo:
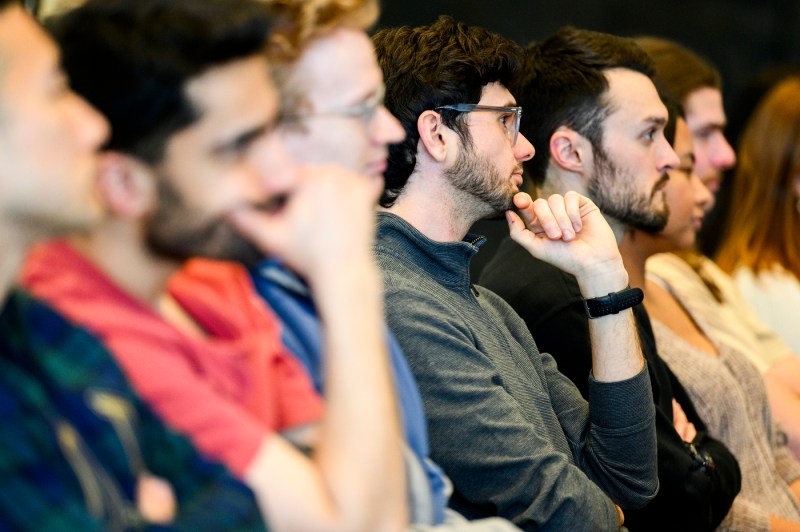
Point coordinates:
[(511, 126)]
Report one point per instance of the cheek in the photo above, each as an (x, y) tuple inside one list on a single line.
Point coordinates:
[(339, 141), (679, 200)]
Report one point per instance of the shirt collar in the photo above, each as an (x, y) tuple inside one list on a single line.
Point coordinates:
[(448, 262)]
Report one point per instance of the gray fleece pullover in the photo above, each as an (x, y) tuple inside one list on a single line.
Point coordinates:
[(514, 435)]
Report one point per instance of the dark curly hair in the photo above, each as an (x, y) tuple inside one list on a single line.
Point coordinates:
[(428, 66)]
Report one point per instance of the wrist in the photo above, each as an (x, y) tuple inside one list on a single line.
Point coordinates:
[(602, 281), (612, 303)]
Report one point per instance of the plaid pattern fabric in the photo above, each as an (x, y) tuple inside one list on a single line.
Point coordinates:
[(75, 438)]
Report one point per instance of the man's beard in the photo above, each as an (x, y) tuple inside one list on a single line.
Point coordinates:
[(616, 195), (477, 177), (176, 231)]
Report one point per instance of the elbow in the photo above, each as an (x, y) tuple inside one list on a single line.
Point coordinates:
[(642, 496)]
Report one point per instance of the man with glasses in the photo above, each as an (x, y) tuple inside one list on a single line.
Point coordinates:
[(513, 434), (195, 167), (332, 91)]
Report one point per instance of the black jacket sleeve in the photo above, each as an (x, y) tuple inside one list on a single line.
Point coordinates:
[(550, 302)]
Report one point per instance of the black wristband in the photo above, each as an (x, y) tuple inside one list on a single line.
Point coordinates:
[(613, 303)]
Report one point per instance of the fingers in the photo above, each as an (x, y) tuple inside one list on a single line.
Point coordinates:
[(558, 217), (155, 499), (325, 219), (683, 426), (574, 202)]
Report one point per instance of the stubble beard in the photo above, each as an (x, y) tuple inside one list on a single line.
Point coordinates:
[(177, 232), (615, 194), (479, 179)]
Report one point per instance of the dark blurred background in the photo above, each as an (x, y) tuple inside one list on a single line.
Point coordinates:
[(743, 38)]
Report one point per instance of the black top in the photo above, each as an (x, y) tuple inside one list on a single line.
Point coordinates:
[(550, 302)]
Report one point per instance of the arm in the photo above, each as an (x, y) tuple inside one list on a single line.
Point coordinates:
[(355, 480), (499, 449), (786, 464), (207, 496), (615, 447), (571, 233), (715, 493), (783, 388)]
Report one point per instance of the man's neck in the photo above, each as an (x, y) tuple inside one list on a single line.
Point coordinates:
[(635, 253), (434, 209), (561, 182), (117, 250)]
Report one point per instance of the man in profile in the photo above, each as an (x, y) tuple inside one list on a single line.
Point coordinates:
[(598, 122), (79, 450), (194, 167), (512, 433)]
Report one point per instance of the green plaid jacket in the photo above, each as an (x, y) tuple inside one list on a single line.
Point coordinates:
[(75, 437)]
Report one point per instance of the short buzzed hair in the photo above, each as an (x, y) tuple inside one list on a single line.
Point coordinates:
[(564, 84)]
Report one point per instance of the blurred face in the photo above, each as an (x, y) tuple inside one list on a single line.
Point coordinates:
[(489, 171), (230, 159), (629, 171), (706, 118), (688, 198), (335, 90), (49, 137)]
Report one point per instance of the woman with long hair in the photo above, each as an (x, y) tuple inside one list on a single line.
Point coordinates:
[(761, 245)]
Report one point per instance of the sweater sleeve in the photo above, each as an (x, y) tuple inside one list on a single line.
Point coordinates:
[(614, 443), (549, 303), (210, 498), (501, 462), (786, 463)]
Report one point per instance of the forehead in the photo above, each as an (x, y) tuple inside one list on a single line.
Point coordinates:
[(704, 107), (633, 100), (340, 66), (25, 50), (497, 95), (234, 96)]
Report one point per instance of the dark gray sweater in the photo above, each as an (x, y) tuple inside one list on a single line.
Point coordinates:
[(513, 434)]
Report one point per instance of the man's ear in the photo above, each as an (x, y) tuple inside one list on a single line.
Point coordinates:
[(570, 150), (125, 185), (432, 135)]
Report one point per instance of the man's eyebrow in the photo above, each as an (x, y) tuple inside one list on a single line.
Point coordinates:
[(656, 120), (244, 138), (712, 126)]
